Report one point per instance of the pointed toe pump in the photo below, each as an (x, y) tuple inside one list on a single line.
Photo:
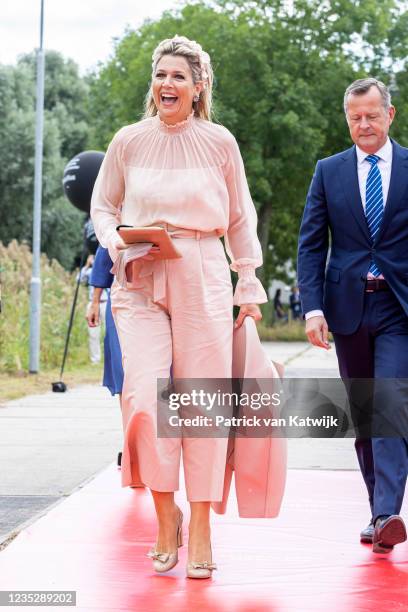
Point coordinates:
[(200, 570), (165, 561)]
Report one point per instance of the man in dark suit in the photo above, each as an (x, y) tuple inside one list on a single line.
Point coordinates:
[(360, 197)]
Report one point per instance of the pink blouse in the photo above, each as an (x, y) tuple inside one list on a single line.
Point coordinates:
[(190, 175)]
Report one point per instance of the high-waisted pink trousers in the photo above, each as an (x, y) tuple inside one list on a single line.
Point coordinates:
[(179, 313)]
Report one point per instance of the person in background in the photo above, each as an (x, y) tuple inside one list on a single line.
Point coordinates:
[(101, 280), (280, 314), (294, 301), (94, 332)]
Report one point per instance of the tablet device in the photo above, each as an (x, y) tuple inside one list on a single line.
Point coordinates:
[(155, 234)]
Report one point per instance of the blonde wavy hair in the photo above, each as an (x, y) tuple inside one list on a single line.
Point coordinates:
[(201, 70)]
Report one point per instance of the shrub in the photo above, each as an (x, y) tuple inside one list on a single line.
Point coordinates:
[(58, 287)]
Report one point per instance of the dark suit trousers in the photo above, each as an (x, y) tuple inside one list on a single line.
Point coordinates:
[(379, 349)]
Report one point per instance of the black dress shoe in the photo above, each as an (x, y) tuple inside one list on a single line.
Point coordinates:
[(366, 536), (389, 530)]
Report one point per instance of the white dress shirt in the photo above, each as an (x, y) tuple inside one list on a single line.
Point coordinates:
[(384, 166), (363, 167)]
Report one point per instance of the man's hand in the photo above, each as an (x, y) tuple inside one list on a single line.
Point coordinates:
[(318, 332), (247, 310), (92, 314)]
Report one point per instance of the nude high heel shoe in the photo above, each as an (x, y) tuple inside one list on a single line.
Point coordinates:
[(201, 570), (165, 561)]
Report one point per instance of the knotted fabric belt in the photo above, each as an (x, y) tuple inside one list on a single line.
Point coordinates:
[(143, 265)]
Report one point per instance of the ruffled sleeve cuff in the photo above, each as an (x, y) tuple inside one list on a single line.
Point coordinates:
[(249, 289)]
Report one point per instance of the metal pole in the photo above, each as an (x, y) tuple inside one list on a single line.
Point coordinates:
[(35, 286)]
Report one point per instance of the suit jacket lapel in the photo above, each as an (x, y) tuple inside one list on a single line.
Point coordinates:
[(398, 185), (349, 181)]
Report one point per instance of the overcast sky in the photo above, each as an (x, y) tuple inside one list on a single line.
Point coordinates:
[(80, 29)]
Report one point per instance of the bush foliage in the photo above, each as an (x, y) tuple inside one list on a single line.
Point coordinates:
[(58, 287)]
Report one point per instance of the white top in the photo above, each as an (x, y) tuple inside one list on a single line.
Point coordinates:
[(384, 166)]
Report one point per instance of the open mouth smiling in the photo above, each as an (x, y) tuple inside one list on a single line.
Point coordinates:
[(168, 99)]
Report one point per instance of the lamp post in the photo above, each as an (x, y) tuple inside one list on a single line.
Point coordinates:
[(35, 285)]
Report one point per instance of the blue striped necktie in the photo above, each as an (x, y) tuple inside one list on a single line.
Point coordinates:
[(374, 203)]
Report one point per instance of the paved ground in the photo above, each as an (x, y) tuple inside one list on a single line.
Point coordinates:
[(52, 443), (301, 360)]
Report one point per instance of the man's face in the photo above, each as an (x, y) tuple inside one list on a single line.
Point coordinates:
[(368, 120)]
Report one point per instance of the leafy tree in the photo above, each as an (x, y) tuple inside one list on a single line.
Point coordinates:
[(281, 70), (65, 134), (65, 97)]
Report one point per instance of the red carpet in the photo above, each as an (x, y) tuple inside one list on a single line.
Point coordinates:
[(309, 558)]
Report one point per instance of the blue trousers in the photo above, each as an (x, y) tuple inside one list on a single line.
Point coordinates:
[(379, 349)]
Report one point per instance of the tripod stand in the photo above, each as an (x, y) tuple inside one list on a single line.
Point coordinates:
[(60, 386)]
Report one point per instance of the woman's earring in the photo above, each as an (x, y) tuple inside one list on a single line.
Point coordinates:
[(196, 98)]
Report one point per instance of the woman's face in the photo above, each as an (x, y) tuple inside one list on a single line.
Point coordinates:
[(173, 89)]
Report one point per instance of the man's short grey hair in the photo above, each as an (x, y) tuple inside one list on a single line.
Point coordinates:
[(361, 86)]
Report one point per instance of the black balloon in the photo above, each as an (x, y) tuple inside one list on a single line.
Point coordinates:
[(79, 178)]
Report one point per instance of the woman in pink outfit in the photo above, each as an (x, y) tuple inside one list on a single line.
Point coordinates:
[(177, 169)]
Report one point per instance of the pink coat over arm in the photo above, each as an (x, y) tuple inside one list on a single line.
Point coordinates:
[(259, 463)]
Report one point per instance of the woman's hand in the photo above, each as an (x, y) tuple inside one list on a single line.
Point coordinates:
[(247, 310), (120, 244), (154, 252), (115, 246), (92, 314), (90, 261)]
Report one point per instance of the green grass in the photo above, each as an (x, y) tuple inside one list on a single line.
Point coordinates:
[(13, 386), (58, 287), (283, 332)]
